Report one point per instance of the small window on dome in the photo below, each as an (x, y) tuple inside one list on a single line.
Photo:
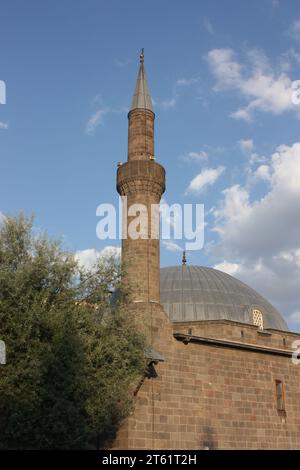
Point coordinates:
[(257, 317)]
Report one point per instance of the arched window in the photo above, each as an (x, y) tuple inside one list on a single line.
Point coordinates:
[(257, 317)]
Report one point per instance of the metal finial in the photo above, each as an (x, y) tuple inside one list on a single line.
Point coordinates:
[(183, 259), (142, 56)]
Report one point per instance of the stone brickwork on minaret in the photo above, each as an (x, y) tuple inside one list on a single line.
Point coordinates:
[(140, 134)]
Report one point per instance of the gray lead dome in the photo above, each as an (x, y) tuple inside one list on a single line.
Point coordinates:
[(193, 293)]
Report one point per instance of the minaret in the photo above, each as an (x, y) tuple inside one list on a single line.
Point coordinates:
[(142, 181)]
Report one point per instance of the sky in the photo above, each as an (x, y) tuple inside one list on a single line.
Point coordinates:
[(227, 130)]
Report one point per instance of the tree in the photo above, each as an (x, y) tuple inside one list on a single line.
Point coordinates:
[(73, 355)]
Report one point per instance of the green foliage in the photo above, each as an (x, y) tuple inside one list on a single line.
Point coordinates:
[(73, 356)]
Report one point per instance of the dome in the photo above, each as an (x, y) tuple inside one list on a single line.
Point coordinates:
[(193, 293)]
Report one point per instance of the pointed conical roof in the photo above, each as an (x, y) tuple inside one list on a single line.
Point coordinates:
[(141, 98)]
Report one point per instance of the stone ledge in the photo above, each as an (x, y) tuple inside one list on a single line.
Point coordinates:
[(264, 332), (231, 344)]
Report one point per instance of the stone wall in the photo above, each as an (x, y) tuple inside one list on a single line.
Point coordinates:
[(214, 397)]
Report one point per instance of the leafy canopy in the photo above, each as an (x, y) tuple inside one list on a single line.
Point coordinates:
[(73, 355)]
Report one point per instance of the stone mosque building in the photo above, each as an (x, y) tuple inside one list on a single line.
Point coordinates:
[(220, 372)]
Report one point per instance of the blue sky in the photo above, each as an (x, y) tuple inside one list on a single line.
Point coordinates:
[(227, 132)]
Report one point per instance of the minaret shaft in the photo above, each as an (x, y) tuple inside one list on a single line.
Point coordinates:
[(142, 182), (140, 134)]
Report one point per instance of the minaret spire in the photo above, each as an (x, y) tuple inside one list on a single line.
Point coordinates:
[(141, 98)]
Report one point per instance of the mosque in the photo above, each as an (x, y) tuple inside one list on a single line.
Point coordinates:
[(220, 373)]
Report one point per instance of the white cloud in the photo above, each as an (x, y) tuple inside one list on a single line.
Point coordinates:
[(294, 30), (290, 256), (88, 258), (261, 235), (256, 158), (229, 268), (171, 246), (295, 317), (177, 89), (234, 206), (242, 114), (167, 104), (208, 26), (95, 120), (225, 69), (3, 125), (199, 156), (262, 173), (186, 81), (277, 211), (277, 280), (275, 4), (288, 59), (246, 145), (207, 177), (258, 60), (262, 88)]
